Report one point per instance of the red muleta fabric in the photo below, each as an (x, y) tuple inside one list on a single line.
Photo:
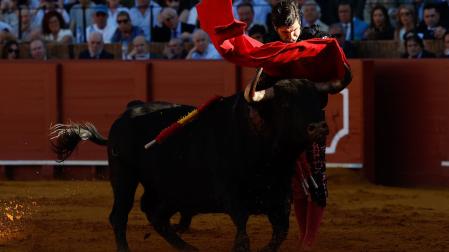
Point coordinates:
[(318, 60)]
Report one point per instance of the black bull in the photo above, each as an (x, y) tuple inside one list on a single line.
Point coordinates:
[(237, 158)]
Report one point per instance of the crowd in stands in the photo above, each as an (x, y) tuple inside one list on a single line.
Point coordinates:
[(136, 24)]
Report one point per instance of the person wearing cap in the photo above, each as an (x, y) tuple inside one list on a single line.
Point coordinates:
[(100, 23)]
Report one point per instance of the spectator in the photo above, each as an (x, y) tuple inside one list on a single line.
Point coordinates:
[(354, 28), (95, 47), (183, 13), (114, 8), (53, 29), (144, 14), (389, 5), (48, 6), (406, 22), (329, 9), (311, 15), (202, 48), (445, 53), (38, 50), (11, 50), (258, 32), (28, 32), (174, 49), (414, 48), (140, 49), (245, 12), (336, 31), (380, 27), (260, 8), (101, 23), (431, 27), (125, 32), (171, 26), (8, 10), (81, 16), (192, 18)]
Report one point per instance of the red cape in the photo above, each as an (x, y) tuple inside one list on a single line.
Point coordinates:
[(318, 60)]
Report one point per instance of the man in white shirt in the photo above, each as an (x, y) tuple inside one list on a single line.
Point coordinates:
[(100, 24), (144, 14)]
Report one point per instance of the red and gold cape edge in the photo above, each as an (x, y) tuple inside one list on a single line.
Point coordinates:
[(318, 60)]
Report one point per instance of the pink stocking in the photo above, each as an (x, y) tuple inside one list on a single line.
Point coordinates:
[(314, 217)]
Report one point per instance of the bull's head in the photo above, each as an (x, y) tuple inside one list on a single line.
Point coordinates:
[(294, 106)]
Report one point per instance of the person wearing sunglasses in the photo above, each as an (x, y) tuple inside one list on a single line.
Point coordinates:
[(406, 22), (11, 50), (126, 31)]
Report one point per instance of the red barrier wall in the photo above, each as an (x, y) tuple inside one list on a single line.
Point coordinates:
[(411, 119), (412, 122), (28, 104)]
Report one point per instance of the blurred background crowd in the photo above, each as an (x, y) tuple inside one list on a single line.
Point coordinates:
[(169, 29)]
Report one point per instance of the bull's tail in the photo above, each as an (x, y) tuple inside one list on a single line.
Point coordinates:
[(65, 137)]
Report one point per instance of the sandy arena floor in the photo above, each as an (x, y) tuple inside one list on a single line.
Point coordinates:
[(72, 216)]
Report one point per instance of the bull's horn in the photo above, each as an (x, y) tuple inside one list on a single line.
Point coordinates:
[(251, 95)]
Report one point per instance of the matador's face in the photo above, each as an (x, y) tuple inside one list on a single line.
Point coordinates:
[(289, 34)]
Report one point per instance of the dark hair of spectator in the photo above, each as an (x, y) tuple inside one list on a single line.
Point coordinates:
[(431, 6), (257, 29), (413, 37), (46, 21), (285, 13), (124, 13), (246, 4), (8, 46), (344, 2), (384, 12)]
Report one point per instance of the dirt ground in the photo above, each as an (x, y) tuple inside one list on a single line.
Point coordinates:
[(72, 216)]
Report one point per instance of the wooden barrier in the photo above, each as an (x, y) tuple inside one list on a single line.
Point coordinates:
[(410, 102), (192, 82), (28, 104), (412, 122)]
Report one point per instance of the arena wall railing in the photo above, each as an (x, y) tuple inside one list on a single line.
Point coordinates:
[(364, 119)]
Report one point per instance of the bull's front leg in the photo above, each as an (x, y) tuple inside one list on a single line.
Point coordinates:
[(279, 219), (241, 242)]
